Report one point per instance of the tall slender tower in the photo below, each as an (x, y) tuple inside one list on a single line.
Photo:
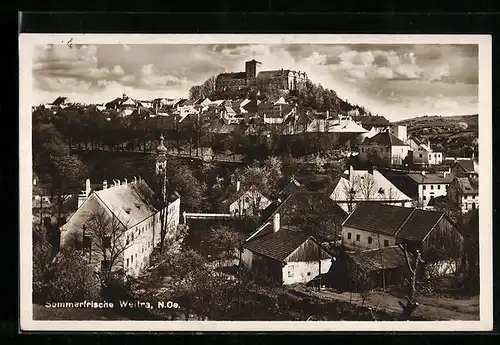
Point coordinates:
[(251, 72)]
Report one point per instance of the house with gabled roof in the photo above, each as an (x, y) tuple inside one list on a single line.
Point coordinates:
[(465, 167), (375, 225), (384, 147), (464, 192), (245, 201), (284, 254), (121, 222), (355, 186)]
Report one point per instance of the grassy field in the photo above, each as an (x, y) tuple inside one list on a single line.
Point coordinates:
[(430, 308)]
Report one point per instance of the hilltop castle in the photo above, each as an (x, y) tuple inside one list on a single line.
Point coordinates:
[(238, 82)]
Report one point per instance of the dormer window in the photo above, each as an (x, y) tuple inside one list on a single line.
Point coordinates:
[(381, 191), (137, 205), (127, 210)]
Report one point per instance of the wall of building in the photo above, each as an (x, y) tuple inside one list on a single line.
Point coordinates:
[(398, 154), (139, 247), (377, 240), (435, 158), (469, 202), (247, 202), (304, 271), (428, 190)]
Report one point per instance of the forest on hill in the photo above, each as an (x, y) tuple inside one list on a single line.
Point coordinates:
[(453, 135)]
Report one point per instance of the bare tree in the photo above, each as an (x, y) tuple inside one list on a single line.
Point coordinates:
[(412, 263), (105, 236)]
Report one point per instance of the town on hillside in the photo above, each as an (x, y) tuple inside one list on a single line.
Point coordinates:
[(260, 196)]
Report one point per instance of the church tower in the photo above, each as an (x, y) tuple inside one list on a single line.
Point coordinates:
[(161, 157)]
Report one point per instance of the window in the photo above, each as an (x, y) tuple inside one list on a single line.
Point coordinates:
[(349, 235), (132, 237), (420, 156), (369, 240), (432, 186), (387, 149), (386, 243), (362, 149), (127, 262), (128, 240), (136, 255), (131, 258), (439, 186), (106, 242), (358, 237), (473, 205), (308, 273), (424, 197), (424, 187), (290, 271)]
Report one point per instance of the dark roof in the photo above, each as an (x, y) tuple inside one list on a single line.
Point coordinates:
[(372, 121), (419, 224), (378, 218), (378, 259), (59, 101), (278, 245), (236, 75), (430, 178), (384, 138), (405, 223), (466, 164)]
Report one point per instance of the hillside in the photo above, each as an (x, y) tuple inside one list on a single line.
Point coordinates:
[(453, 135)]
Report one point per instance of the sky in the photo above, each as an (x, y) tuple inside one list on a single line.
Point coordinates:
[(396, 81)]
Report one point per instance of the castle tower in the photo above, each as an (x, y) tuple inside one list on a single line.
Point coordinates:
[(161, 157), (251, 71)]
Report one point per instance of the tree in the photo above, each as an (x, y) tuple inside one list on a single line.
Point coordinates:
[(108, 240), (69, 278), (412, 263), (53, 160)]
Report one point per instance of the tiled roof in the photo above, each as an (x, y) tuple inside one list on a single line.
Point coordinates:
[(418, 225), (378, 259), (430, 178), (130, 203), (404, 223), (385, 139), (378, 218), (278, 245)]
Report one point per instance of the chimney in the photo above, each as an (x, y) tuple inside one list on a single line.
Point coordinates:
[(125, 181), (135, 179), (117, 182), (423, 172), (276, 222), (237, 186), (105, 184), (87, 187)]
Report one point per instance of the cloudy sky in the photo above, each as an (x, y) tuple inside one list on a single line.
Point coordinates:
[(396, 81)]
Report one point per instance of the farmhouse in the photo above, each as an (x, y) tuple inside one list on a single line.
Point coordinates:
[(375, 225), (284, 255)]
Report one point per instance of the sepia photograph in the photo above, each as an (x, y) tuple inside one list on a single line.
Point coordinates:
[(255, 182)]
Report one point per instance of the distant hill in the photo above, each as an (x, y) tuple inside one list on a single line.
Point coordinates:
[(454, 135)]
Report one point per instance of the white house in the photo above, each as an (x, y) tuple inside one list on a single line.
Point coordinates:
[(423, 153), (119, 220), (387, 147), (428, 186), (284, 254), (246, 201), (399, 131), (363, 185)]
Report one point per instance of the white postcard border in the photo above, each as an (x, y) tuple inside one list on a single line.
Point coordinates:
[(28, 41)]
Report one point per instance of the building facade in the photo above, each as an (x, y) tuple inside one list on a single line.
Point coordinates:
[(384, 147), (430, 186)]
